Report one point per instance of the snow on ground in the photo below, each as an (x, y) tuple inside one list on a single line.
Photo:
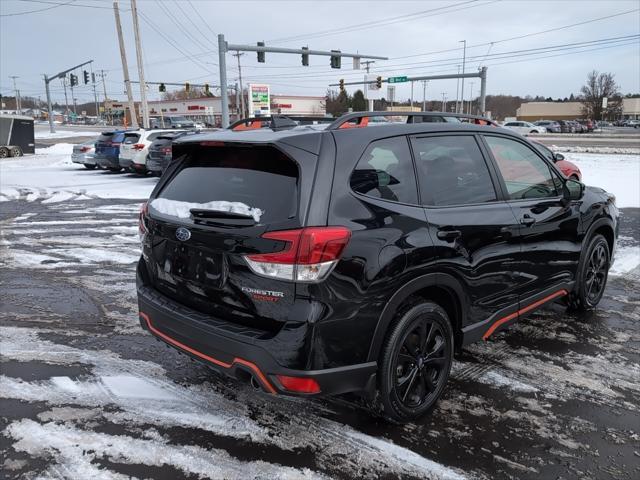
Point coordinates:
[(65, 134), (49, 175), (137, 394), (618, 174)]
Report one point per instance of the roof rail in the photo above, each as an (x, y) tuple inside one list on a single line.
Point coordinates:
[(277, 122), (360, 119)]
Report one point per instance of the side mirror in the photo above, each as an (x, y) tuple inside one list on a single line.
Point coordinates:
[(557, 157), (573, 189)]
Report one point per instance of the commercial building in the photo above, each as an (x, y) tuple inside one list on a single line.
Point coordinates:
[(533, 111)]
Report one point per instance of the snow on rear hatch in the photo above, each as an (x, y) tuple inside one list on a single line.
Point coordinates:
[(180, 209)]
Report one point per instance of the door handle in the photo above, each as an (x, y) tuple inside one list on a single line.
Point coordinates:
[(527, 220), (449, 235)]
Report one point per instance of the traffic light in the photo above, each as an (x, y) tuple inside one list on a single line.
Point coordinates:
[(187, 87), (336, 60), (305, 57), (93, 77), (261, 54), (379, 82), (342, 84), (73, 79), (162, 88), (85, 76), (206, 89)]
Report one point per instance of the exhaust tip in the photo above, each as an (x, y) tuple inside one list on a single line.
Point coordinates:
[(255, 384)]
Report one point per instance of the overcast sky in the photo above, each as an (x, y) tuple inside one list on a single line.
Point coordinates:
[(179, 42)]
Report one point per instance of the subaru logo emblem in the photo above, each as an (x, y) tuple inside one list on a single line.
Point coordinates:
[(183, 234)]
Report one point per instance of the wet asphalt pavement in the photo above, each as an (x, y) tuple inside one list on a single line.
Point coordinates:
[(555, 397)]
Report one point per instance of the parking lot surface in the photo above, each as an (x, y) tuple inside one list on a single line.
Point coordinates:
[(84, 392)]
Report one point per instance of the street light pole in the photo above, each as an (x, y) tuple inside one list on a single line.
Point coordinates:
[(464, 58), (222, 63), (424, 95)]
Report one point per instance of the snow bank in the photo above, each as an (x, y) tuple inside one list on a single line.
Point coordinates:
[(179, 209), (57, 149), (596, 149), (64, 134), (618, 174)]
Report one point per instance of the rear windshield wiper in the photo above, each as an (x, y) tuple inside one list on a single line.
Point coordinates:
[(210, 216)]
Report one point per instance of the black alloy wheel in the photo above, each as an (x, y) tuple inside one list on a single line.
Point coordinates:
[(592, 275), (416, 361)]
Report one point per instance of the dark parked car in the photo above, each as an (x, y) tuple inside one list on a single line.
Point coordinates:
[(108, 150), (587, 124), (171, 122), (321, 260), (578, 127), (159, 155)]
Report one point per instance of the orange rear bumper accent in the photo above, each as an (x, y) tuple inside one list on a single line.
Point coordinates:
[(511, 316), (237, 360)]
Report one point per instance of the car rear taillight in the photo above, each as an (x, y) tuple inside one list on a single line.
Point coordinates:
[(138, 146), (142, 220), (85, 149), (299, 384), (309, 254), (166, 150)]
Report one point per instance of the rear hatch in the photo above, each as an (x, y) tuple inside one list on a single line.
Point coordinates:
[(209, 214), (108, 143), (130, 145)]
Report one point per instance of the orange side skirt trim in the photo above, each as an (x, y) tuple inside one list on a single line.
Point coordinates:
[(511, 316)]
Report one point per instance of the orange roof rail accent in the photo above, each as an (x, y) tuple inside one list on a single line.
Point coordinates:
[(251, 125), (360, 123)]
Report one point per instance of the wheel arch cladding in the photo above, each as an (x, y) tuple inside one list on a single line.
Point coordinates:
[(438, 288)]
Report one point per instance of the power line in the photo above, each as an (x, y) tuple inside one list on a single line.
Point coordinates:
[(188, 17), (206, 24), (39, 10), (555, 29), (382, 22)]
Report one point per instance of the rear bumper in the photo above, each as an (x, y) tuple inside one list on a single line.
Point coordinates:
[(105, 161), (236, 355), (125, 162)]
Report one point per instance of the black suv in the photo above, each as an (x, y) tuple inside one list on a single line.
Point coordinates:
[(326, 259)]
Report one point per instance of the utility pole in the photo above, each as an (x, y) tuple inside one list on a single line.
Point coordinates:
[(238, 55), (75, 105), (222, 64), (143, 86), (457, 89), (367, 64), (17, 99), (470, 98), (464, 58), (95, 95), (444, 101), (125, 68), (66, 100), (411, 109), (424, 95), (237, 102), (104, 84), (74, 100)]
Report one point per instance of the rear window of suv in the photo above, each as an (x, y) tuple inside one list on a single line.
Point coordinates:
[(131, 138), (260, 177)]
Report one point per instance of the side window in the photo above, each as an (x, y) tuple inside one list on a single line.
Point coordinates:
[(525, 174), (385, 171), (452, 171)]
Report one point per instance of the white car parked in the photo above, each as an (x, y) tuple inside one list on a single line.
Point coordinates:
[(135, 147), (524, 127)]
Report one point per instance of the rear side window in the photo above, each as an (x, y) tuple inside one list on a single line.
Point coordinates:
[(452, 171), (385, 171), (259, 177), (525, 174), (105, 137), (131, 138)]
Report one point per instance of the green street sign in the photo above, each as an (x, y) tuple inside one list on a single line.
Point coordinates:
[(396, 79)]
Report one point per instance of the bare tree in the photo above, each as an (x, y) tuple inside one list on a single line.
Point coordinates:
[(598, 87), (182, 94)]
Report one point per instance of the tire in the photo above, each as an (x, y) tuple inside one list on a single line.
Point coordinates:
[(593, 272), (115, 169), (534, 131), (4, 152), (415, 362), (89, 166), (15, 152)]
